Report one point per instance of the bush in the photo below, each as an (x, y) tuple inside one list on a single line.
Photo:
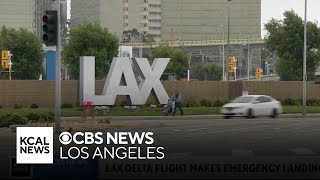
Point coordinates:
[(205, 103), (1, 107), (218, 103), (67, 105), (192, 103), (290, 102), (313, 102), (40, 116), (34, 106), (17, 106), (12, 118)]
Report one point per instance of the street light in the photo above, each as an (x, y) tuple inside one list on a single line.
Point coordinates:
[(223, 65), (305, 60), (178, 42), (248, 70)]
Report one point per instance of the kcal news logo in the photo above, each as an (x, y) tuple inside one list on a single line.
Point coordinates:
[(34, 145)]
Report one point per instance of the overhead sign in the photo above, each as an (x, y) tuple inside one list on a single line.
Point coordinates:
[(121, 67)]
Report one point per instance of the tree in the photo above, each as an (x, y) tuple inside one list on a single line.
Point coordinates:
[(90, 40), (179, 58), (25, 47), (210, 72), (133, 36), (285, 37)]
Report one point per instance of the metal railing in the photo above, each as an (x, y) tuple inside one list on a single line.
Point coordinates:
[(196, 43)]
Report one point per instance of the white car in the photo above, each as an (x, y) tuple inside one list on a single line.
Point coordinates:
[(252, 106)]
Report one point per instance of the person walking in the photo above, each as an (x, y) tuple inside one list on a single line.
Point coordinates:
[(178, 103)]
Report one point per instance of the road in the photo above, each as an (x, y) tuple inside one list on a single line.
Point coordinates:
[(203, 140)]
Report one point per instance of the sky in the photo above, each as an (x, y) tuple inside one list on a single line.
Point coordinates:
[(275, 9)]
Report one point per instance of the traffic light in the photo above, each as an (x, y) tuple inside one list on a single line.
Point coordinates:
[(230, 64), (50, 28), (259, 73), (5, 57)]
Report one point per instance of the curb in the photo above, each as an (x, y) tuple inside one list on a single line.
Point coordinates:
[(178, 117)]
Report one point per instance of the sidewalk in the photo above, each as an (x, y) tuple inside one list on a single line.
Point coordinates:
[(178, 117)]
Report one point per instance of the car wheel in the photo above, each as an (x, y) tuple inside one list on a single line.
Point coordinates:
[(250, 113), (274, 113)]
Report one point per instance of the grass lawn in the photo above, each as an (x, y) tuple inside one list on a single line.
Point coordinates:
[(116, 111)]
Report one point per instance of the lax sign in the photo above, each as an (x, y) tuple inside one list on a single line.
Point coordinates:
[(121, 67)]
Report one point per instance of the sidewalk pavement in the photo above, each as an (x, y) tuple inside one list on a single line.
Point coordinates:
[(177, 117)]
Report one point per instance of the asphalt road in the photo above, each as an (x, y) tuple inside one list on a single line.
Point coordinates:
[(203, 140)]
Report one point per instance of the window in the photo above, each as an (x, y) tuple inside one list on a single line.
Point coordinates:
[(144, 17), (154, 5), (263, 99), (154, 20), (125, 16), (155, 28), (154, 13), (145, 1)]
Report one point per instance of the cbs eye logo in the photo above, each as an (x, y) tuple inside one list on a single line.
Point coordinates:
[(65, 138)]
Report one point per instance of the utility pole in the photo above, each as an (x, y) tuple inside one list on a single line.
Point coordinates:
[(305, 61), (228, 38), (223, 60), (58, 77)]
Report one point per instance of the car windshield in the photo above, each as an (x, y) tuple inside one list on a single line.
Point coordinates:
[(242, 99)]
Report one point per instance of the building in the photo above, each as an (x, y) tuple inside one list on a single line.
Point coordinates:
[(17, 13), (28, 14), (119, 15), (208, 19)]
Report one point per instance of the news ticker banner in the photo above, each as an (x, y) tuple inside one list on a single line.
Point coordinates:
[(84, 155), (180, 167)]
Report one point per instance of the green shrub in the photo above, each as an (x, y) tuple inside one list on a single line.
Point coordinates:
[(218, 103), (290, 102), (192, 103), (67, 105), (1, 107), (205, 103), (34, 106), (17, 106), (313, 102), (12, 118), (40, 116)]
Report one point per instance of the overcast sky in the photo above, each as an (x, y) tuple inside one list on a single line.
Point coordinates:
[(275, 9)]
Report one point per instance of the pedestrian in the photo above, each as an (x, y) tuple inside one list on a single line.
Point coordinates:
[(178, 103)]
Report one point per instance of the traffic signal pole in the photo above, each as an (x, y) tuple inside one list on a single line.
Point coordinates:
[(58, 75)]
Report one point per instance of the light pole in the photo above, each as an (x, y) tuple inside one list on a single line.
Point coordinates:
[(228, 38), (58, 75), (248, 75), (178, 42), (305, 60), (223, 65)]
